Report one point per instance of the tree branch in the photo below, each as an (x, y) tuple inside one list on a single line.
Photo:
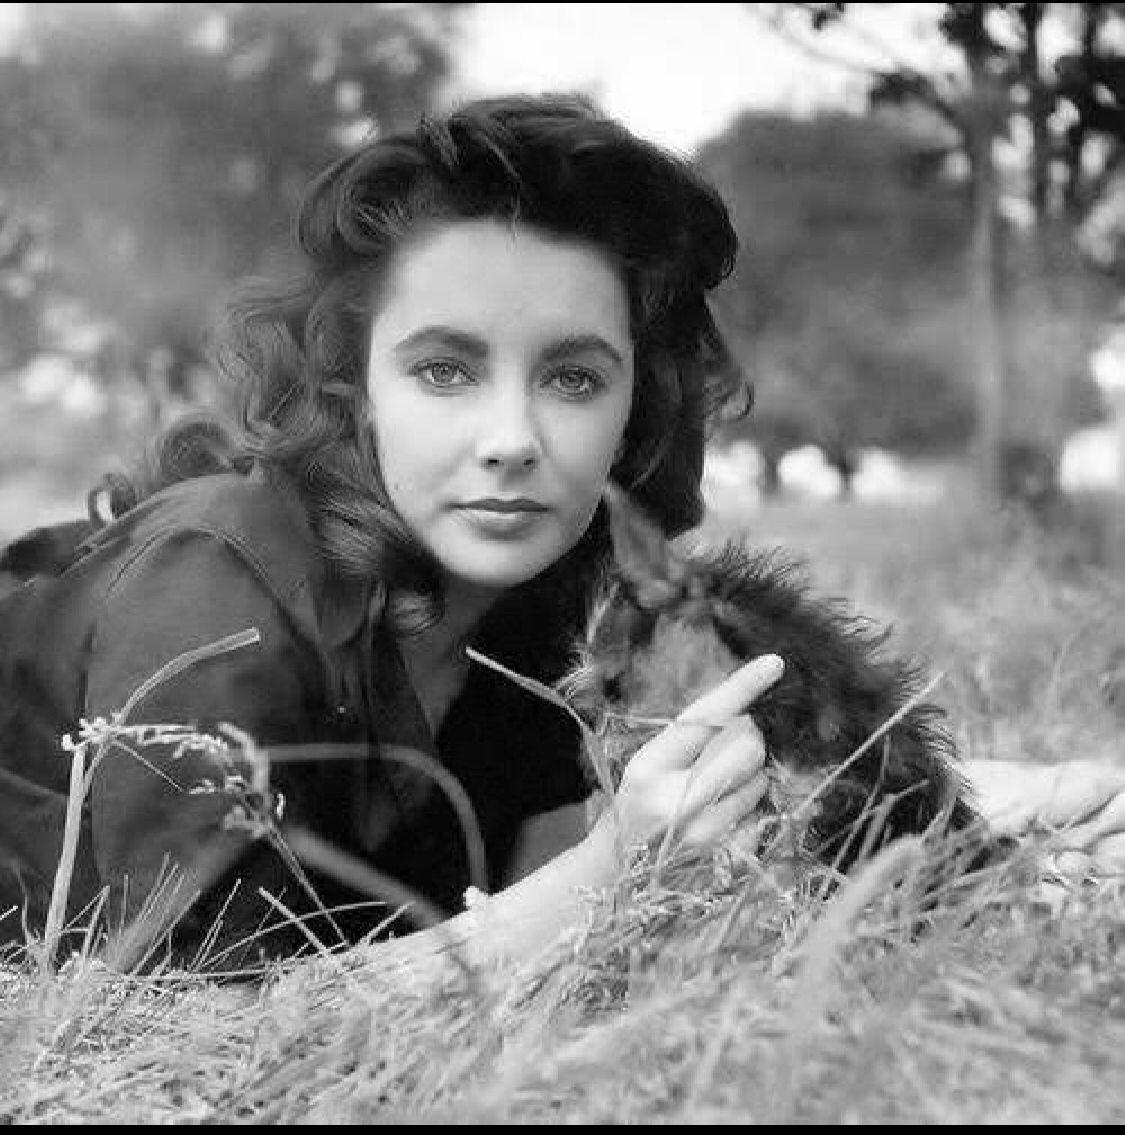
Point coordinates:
[(899, 80)]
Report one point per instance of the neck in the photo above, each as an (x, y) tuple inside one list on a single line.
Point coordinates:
[(435, 658)]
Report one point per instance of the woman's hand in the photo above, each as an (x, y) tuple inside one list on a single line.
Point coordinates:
[(1080, 802), (702, 780)]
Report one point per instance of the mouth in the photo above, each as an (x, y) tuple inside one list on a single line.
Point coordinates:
[(504, 505), (503, 518)]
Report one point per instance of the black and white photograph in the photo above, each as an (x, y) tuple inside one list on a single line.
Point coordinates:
[(562, 563)]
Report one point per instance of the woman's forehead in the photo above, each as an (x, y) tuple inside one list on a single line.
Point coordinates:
[(490, 278)]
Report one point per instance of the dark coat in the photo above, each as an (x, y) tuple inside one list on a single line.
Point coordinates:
[(200, 561)]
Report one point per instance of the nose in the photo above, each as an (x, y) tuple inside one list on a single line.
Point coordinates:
[(509, 434)]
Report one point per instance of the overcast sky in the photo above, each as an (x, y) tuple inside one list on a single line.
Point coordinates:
[(677, 73)]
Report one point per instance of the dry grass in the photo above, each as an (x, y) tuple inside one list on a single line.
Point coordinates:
[(728, 992), (1027, 630), (737, 1002)]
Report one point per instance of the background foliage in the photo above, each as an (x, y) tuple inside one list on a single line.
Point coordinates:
[(154, 154), (927, 274)]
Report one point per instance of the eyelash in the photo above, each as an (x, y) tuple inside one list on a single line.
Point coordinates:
[(425, 371), (594, 382)]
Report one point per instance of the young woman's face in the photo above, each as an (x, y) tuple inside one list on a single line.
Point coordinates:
[(500, 378)]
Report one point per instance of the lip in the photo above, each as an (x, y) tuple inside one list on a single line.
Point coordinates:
[(503, 518), (504, 505)]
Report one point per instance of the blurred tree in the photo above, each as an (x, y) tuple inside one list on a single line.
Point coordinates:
[(24, 272), (161, 148), (1090, 81), (1053, 303), (847, 297), (1042, 292)]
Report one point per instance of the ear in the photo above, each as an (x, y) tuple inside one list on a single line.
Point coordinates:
[(642, 552)]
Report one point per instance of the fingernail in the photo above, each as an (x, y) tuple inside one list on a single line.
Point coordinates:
[(772, 664)]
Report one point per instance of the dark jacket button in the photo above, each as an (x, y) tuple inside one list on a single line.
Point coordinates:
[(344, 716)]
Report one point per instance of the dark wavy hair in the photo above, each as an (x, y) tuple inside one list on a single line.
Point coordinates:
[(297, 354)]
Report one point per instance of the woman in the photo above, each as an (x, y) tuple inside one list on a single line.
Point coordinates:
[(500, 312)]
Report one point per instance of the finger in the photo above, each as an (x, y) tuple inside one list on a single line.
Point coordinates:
[(728, 761), (722, 820), (1109, 854), (678, 746), (736, 693), (1108, 820)]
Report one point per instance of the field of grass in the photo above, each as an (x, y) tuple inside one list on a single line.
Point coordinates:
[(732, 991)]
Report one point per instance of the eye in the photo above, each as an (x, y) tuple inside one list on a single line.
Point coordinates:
[(575, 382), (442, 374)]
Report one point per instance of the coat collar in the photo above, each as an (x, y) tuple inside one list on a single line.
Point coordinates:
[(265, 522)]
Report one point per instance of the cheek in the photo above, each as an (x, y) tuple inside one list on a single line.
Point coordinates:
[(388, 453), (407, 443), (590, 447), (403, 470)]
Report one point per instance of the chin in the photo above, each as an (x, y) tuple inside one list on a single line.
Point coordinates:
[(496, 578), (501, 572)]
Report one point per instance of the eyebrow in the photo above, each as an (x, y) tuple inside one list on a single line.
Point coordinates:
[(463, 341), (580, 344), (477, 348)]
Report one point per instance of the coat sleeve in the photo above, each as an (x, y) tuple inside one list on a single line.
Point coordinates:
[(176, 598)]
